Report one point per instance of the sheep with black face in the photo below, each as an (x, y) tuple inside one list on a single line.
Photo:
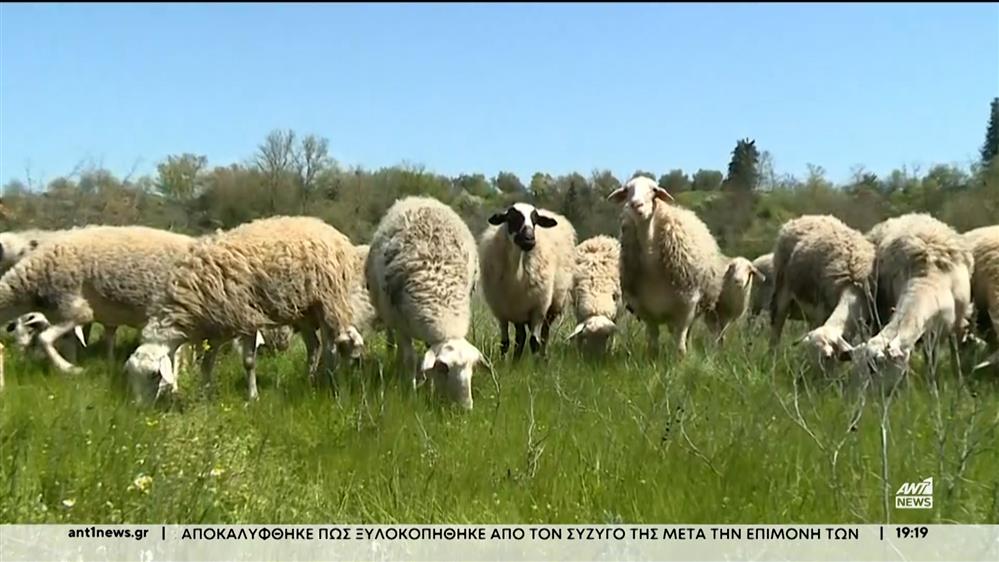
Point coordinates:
[(527, 259)]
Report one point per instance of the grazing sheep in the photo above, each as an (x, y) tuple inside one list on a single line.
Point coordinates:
[(527, 272), (671, 266), (984, 244), (270, 272), (421, 270), (107, 274), (365, 319), (824, 265), (923, 271), (24, 330), (596, 292), (14, 246)]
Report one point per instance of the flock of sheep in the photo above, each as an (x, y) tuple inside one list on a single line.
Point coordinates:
[(908, 281)]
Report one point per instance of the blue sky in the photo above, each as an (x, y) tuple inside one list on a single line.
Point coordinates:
[(490, 87)]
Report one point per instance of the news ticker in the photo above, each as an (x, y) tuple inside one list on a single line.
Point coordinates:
[(487, 543)]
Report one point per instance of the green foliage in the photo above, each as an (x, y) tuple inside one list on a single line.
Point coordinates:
[(706, 180), (675, 181), (292, 174)]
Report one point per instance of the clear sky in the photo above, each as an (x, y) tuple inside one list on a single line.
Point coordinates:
[(490, 87)]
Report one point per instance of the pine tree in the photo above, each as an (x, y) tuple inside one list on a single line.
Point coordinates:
[(743, 172), (991, 146)]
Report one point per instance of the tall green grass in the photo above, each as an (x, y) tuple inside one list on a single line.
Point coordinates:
[(730, 435)]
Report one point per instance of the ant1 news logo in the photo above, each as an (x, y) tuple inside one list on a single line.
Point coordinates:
[(915, 495)]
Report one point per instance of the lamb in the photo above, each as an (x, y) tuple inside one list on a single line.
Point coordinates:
[(984, 244), (671, 265), (24, 331), (422, 269), (596, 293), (275, 271), (734, 296), (527, 272), (824, 265), (106, 274), (923, 269)]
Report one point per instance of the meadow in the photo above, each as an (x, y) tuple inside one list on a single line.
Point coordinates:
[(733, 435)]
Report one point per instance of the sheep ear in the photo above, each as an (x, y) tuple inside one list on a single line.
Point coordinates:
[(166, 371), (258, 341), (497, 219), (663, 194), (618, 194), (577, 331), (545, 222), (759, 274), (78, 332), (429, 360)]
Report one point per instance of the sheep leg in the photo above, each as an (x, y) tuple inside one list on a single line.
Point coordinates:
[(208, 363), (311, 341), (681, 329), (49, 336), (652, 338), (521, 335), (504, 328), (406, 356), (109, 339), (778, 313), (250, 364), (329, 362)]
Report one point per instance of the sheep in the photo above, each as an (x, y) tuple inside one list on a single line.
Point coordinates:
[(596, 293), (671, 265), (984, 244), (106, 274), (14, 246), (24, 331), (734, 296), (763, 290), (275, 271), (527, 270), (422, 270), (923, 270), (824, 265)]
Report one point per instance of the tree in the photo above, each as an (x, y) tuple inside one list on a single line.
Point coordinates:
[(508, 182), (179, 177), (474, 184), (313, 160), (743, 172), (706, 180), (276, 160), (637, 173), (991, 146), (675, 181), (768, 175)]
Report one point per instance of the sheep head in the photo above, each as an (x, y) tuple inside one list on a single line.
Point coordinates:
[(451, 363), (641, 194), (521, 220)]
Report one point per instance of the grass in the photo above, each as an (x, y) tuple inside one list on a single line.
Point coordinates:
[(715, 438)]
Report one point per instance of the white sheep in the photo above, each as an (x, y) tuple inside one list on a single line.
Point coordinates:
[(270, 272), (984, 244), (923, 272), (596, 293), (527, 259), (14, 246), (734, 297), (825, 266), (421, 270), (106, 274), (671, 266)]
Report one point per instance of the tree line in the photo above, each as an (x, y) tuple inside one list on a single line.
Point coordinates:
[(291, 174)]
